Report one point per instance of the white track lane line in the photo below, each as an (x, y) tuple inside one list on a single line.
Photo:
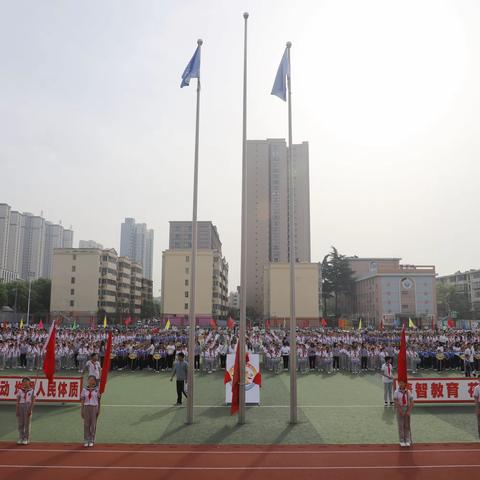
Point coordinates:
[(300, 468), (24, 450)]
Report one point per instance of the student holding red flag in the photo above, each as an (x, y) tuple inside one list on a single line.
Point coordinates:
[(106, 363), (403, 397)]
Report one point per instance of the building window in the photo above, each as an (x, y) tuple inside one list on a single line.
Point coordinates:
[(186, 294), (74, 256), (187, 270), (72, 303), (72, 291), (187, 258), (186, 283), (74, 268), (186, 306), (72, 281)]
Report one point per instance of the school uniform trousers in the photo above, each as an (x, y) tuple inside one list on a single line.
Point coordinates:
[(24, 421)]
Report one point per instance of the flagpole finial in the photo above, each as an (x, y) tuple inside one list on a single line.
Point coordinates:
[(289, 44), (199, 42), (245, 15)]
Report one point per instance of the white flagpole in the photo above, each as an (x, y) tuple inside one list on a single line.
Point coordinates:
[(291, 232), (193, 264), (243, 260)]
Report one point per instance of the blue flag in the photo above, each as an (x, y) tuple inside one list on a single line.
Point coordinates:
[(280, 86), (192, 70)]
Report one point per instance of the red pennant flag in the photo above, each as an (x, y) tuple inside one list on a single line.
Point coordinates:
[(450, 323), (402, 358), (227, 377), (213, 323), (230, 323), (40, 325), (106, 363), (267, 324), (324, 323), (257, 379), (49, 349), (128, 321), (236, 384)]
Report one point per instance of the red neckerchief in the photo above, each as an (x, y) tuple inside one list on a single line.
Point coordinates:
[(389, 367), (404, 397), (90, 390)]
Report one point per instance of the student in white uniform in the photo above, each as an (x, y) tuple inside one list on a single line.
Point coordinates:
[(387, 375), (93, 367), (25, 401), (90, 400), (403, 404)]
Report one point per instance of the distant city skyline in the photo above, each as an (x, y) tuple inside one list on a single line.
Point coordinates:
[(95, 127)]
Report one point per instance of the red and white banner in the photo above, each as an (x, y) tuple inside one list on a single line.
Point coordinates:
[(442, 390), (62, 389)]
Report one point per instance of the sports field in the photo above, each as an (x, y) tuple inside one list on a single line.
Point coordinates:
[(336, 409)]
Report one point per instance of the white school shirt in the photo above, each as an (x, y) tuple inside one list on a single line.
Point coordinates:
[(387, 369), (285, 350), (93, 369), (25, 397), (90, 397), (398, 396)]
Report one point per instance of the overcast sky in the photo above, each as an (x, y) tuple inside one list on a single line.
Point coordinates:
[(94, 126)]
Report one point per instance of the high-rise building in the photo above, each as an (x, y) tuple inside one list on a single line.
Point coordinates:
[(267, 210), (33, 247), (27, 242), (181, 236), (4, 228), (15, 243), (89, 244), (53, 239), (136, 243)]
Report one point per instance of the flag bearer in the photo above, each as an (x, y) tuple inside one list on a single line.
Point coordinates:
[(404, 404), (90, 401), (25, 401)]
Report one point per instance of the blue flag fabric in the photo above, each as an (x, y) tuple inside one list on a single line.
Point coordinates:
[(280, 86), (192, 70)]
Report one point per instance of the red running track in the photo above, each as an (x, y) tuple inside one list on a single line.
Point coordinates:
[(40, 461)]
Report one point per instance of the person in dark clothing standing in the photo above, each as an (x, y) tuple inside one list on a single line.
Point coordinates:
[(180, 370)]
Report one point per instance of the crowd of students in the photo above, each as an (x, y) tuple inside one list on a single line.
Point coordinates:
[(321, 350), (155, 349)]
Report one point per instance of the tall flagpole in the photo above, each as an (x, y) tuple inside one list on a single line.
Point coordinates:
[(243, 259), (193, 264), (291, 232)]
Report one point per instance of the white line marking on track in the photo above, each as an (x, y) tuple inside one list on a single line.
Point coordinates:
[(24, 450), (258, 406), (303, 468)]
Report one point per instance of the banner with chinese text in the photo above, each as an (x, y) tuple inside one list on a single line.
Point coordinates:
[(62, 389), (442, 390)]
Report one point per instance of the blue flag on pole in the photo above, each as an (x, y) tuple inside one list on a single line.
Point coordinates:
[(192, 70), (280, 86)]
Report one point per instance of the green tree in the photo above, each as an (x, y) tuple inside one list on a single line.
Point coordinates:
[(3, 295), (449, 301), (40, 296), (150, 309), (337, 280)]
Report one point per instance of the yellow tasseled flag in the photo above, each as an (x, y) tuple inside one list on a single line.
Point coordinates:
[(167, 325), (411, 324), (105, 321), (21, 323), (360, 324)]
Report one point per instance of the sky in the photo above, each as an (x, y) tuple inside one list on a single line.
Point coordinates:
[(94, 127)]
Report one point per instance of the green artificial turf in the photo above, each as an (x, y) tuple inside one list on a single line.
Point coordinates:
[(138, 408)]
